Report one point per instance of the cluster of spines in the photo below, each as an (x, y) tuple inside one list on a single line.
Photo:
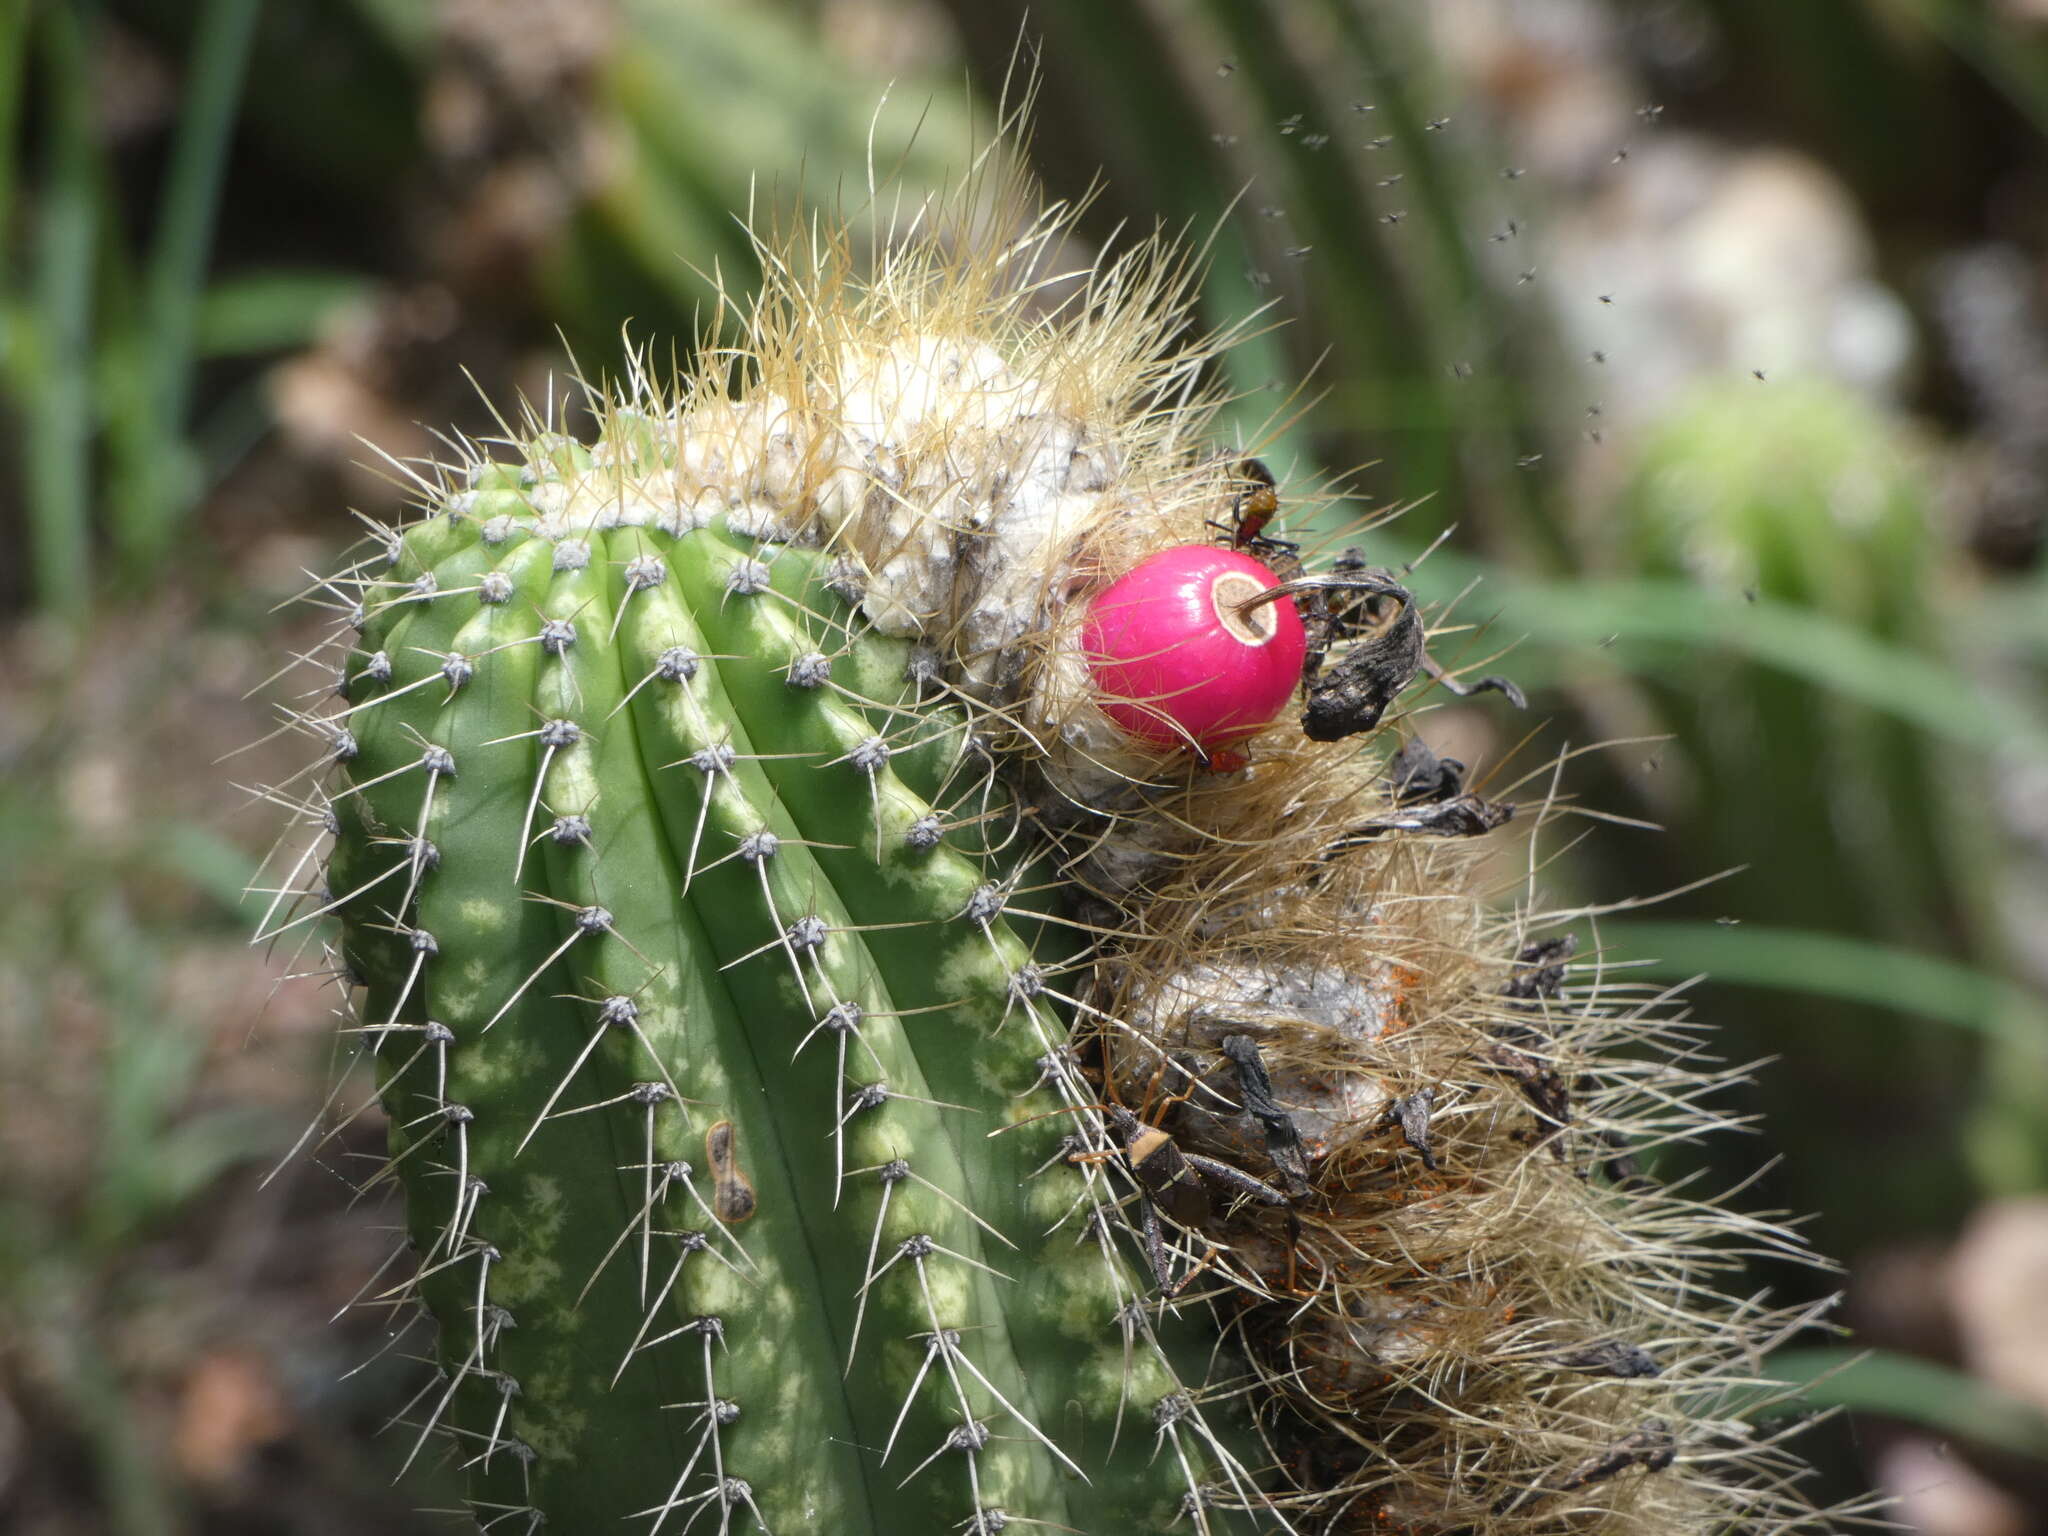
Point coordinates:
[(646, 864)]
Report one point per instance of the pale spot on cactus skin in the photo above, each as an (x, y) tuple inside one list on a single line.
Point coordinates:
[(500, 1067), (959, 970), (545, 1207), (485, 916), (992, 1079), (555, 1432), (1146, 1383), (530, 1278), (1045, 1201), (660, 1017), (951, 1287), (719, 1290)]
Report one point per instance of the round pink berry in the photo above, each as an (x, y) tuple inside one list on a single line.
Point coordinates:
[(1182, 654)]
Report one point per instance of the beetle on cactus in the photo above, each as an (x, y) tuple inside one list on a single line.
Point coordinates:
[(834, 866)]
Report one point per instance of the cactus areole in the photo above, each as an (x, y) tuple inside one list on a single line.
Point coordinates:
[(843, 1073)]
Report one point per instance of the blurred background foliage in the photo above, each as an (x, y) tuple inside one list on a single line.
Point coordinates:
[(1715, 327)]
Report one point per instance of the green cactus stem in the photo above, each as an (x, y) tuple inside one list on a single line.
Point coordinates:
[(695, 1007)]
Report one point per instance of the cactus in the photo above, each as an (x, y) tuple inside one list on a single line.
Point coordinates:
[(723, 1137), (871, 1041)]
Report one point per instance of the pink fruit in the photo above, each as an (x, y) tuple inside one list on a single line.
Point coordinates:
[(1178, 656)]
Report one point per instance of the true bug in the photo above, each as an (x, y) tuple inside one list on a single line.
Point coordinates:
[(1172, 1180), (1255, 505), (1179, 1184)]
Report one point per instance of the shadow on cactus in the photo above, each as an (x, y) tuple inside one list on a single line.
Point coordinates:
[(883, 1030)]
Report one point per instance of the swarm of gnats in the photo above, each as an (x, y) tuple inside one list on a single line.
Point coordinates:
[(1373, 1116)]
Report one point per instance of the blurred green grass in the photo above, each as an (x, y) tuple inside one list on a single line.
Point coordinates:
[(350, 203)]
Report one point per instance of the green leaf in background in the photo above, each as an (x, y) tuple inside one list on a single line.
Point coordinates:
[(1902, 1387), (152, 505), (1657, 621), (52, 359), (1835, 965), (269, 311)]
